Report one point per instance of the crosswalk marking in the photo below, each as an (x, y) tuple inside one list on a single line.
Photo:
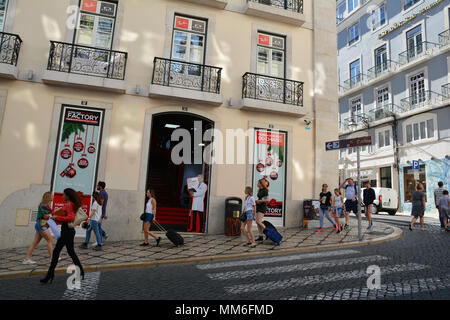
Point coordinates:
[(296, 257), (88, 289), (389, 290), (309, 280), (292, 268)]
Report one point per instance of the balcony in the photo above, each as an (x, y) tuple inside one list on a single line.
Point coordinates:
[(416, 52), (382, 69), (71, 64), (355, 122), (9, 54), (444, 38), (353, 82), (287, 11), (446, 91), (382, 112), (265, 93), (183, 80), (220, 4), (421, 99)]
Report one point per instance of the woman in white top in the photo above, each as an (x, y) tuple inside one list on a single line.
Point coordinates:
[(249, 211), (150, 211), (94, 222)]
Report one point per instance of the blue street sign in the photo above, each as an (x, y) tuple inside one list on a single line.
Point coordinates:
[(416, 165)]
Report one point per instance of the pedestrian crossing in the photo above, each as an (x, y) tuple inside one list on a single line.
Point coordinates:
[(284, 273)]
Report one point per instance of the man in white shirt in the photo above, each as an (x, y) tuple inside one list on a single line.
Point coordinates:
[(198, 203)]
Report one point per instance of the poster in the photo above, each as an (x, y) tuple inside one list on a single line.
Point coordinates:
[(270, 164), (77, 154)]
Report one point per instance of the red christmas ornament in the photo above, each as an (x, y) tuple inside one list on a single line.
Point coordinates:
[(274, 175), (269, 161), (91, 149), (78, 146), (260, 167), (83, 163), (71, 173), (280, 163), (66, 154)]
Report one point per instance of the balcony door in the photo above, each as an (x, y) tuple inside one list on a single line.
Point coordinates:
[(417, 88), (356, 110), (94, 37), (382, 102), (355, 73), (381, 60), (414, 42)]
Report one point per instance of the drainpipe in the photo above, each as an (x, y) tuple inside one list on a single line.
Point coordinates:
[(396, 154)]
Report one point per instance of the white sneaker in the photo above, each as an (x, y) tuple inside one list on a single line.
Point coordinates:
[(94, 244), (28, 261)]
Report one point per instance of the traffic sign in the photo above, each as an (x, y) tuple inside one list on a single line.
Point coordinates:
[(348, 143), (416, 164)]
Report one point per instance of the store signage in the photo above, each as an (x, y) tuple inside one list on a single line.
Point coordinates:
[(82, 117), (198, 26), (416, 165), (271, 166), (182, 23), (348, 143), (264, 40), (89, 5), (278, 43), (107, 9), (408, 19)]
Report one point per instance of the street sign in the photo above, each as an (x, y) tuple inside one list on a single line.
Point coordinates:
[(348, 143), (416, 165)]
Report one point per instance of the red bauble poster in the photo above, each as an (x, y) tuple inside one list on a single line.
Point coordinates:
[(83, 163), (260, 167), (78, 146), (274, 175), (66, 154), (269, 161), (91, 149)]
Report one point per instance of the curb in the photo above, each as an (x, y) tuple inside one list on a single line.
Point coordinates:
[(398, 233)]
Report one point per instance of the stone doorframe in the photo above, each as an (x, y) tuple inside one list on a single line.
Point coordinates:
[(212, 187)]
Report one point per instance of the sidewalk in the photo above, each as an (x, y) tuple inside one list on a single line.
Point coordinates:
[(197, 248)]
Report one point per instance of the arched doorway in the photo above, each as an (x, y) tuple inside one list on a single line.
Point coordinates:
[(168, 179)]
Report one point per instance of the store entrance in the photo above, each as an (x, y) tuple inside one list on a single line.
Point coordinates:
[(168, 179)]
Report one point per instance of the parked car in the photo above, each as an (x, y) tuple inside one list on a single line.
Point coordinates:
[(386, 201)]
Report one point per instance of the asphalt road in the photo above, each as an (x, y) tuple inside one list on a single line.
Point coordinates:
[(416, 266)]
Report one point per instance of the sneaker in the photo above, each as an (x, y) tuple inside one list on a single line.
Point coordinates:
[(83, 246), (143, 244), (28, 261), (105, 236), (369, 227), (319, 230), (97, 248), (158, 241), (336, 227), (247, 244), (94, 244), (260, 238), (346, 226)]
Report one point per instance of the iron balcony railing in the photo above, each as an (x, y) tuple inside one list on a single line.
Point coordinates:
[(292, 5), (444, 38), (73, 58), (415, 52), (355, 121), (446, 90), (381, 69), (353, 82), (186, 75), (266, 88), (421, 99), (384, 111), (9, 48)]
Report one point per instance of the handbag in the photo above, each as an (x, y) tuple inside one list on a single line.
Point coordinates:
[(142, 217), (80, 216), (243, 217)]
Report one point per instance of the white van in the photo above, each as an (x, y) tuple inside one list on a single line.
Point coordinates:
[(386, 200)]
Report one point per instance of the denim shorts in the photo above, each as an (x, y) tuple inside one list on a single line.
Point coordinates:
[(38, 227), (250, 214), (338, 211), (149, 217)]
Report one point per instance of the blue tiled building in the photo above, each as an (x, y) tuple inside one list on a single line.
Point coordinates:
[(394, 63)]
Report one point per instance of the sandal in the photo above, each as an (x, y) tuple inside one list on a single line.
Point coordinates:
[(252, 246), (247, 244)]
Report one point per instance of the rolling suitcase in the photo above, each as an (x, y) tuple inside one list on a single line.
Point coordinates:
[(271, 233), (172, 235)]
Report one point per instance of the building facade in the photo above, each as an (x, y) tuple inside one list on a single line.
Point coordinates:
[(94, 91), (393, 69)]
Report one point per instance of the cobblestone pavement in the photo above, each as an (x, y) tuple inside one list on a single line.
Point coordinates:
[(416, 266), (130, 252)]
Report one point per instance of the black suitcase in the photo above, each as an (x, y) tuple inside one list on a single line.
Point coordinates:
[(172, 235)]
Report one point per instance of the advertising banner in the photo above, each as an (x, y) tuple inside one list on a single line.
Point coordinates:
[(269, 153), (77, 154)]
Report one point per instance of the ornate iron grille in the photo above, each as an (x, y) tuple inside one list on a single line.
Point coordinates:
[(9, 48), (292, 5)]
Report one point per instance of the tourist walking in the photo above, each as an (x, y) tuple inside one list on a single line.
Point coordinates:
[(325, 208), (42, 228), (198, 205), (418, 207), (437, 196), (337, 205), (104, 202), (94, 223), (65, 215), (444, 207), (368, 199), (150, 212), (351, 199), (261, 207), (249, 211)]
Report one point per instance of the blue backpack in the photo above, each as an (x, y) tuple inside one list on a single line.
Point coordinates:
[(272, 234)]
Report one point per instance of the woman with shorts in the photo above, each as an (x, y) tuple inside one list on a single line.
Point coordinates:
[(150, 210), (249, 211), (337, 205)]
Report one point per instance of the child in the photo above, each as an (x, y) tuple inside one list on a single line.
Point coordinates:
[(338, 208), (249, 211), (444, 207), (94, 221)]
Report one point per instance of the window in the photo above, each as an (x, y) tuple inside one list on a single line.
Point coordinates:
[(3, 8), (423, 129), (414, 41), (271, 55), (411, 181), (409, 3), (382, 96), (340, 10), (381, 63), (379, 17), (355, 73), (353, 34), (97, 21), (386, 177), (417, 92), (356, 109), (384, 138), (352, 5)]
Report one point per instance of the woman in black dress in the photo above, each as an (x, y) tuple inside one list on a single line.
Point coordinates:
[(261, 206), (418, 207)]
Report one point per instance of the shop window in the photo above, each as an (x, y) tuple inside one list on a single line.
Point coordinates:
[(188, 40), (411, 179), (386, 177), (271, 55)]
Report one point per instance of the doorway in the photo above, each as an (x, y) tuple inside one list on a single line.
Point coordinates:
[(168, 179)]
